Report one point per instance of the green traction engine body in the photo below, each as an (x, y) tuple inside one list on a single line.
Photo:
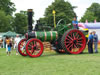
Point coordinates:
[(64, 39), (53, 35)]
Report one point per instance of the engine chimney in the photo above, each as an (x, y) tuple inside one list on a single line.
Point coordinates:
[(30, 14)]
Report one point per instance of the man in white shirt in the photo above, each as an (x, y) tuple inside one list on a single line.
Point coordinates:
[(17, 40)]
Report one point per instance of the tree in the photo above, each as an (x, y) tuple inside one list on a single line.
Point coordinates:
[(6, 19), (7, 6), (93, 12), (88, 16), (20, 24), (5, 22), (95, 8), (23, 12), (64, 10)]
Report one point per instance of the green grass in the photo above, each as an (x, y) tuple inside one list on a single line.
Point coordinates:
[(50, 63)]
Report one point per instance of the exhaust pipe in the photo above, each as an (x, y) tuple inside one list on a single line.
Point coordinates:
[(30, 14)]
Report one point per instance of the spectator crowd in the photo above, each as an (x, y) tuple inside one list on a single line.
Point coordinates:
[(12, 44), (93, 39)]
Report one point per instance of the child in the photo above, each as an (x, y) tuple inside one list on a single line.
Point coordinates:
[(9, 48)]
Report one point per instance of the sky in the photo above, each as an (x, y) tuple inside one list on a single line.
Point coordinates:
[(39, 6)]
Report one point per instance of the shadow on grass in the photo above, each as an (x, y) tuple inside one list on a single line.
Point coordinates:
[(57, 54)]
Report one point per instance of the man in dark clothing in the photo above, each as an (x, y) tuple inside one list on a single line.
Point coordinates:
[(37, 27), (90, 43)]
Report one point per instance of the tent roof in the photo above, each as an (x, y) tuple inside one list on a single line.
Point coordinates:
[(1, 34), (10, 34)]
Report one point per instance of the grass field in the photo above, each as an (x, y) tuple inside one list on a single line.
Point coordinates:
[(50, 63)]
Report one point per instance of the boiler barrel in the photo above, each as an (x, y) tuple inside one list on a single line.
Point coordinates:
[(46, 36)]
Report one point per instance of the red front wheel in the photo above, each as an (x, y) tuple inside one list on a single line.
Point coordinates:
[(34, 47), (21, 47)]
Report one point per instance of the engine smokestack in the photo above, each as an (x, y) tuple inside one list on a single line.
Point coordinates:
[(30, 14)]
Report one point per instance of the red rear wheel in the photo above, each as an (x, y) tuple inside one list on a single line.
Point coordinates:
[(34, 48), (21, 47), (73, 41)]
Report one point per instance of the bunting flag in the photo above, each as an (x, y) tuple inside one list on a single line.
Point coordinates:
[(95, 21)]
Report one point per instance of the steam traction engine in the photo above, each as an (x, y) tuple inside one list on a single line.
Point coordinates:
[(64, 39)]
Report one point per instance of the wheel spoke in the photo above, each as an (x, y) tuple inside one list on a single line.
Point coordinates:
[(34, 43), (70, 46), (75, 46), (80, 38), (76, 34), (79, 41), (37, 48), (69, 37), (31, 51), (77, 37), (30, 45), (67, 42), (73, 36), (79, 44)]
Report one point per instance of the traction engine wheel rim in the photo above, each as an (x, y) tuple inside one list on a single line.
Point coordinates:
[(21, 47), (75, 41), (34, 48)]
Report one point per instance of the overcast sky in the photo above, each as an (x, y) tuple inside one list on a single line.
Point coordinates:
[(39, 6)]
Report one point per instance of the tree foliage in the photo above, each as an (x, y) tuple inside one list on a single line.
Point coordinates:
[(17, 23), (7, 6), (64, 10), (92, 13), (5, 22), (20, 24), (6, 19), (88, 16)]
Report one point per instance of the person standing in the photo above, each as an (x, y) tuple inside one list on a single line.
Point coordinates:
[(90, 43), (75, 23), (95, 41), (17, 40), (9, 48), (7, 43)]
